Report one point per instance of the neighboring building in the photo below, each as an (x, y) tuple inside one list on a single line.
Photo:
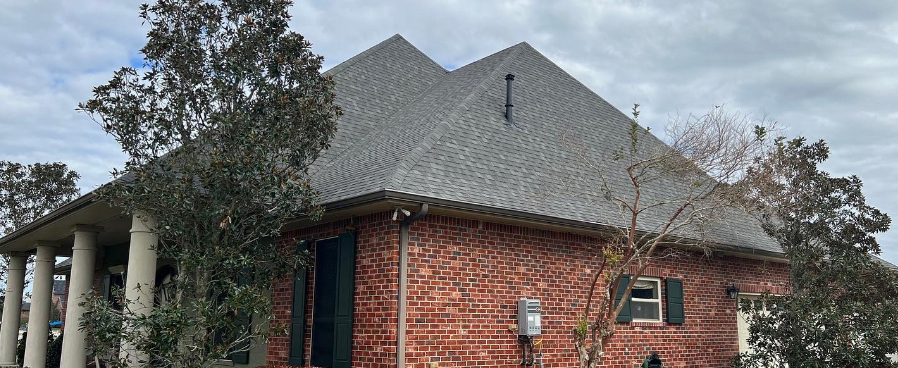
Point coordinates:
[(59, 294), (497, 226), (26, 310), (58, 298)]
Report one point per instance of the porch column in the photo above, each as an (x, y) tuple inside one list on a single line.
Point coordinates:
[(12, 309), (141, 279), (39, 317), (84, 253)]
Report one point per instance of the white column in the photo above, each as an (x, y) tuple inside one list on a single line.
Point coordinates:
[(41, 297), (12, 309), (140, 279), (84, 255)]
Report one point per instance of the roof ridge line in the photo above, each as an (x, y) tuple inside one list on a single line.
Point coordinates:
[(362, 55), (594, 93), (424, 53), (410, 161), (392, 118), (386, 122)]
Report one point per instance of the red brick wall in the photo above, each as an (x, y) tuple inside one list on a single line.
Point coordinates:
[(465, 277), (374, 328), (97, 286), (64, 304)]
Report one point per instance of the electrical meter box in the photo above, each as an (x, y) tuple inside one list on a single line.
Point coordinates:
[(529, 320)]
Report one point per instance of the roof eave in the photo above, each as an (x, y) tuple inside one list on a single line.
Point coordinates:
[(54, 215), (399, 196), (388, 195)]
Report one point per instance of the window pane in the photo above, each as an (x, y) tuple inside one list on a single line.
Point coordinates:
[(646, 290), (642, 294), (646, 310)]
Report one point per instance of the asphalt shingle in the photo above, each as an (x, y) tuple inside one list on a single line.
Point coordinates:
[(410, 126)]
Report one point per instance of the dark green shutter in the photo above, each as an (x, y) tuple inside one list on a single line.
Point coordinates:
[(344, 305), (242, 324), (675, 313), (107, 287), (333, 302), (625, 314), (298, 313), (324, 302)]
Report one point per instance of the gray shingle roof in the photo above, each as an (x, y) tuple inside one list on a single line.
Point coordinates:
[(64, 264), (59, 287), (885, 263), (410, 126)]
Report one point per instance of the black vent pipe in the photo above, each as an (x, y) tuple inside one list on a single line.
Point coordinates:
[(509, 107)]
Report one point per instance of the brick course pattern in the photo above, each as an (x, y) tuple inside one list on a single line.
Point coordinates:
[(465, 277), (377, 272)]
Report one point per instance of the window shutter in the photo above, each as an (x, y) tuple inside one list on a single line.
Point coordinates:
[(344, 302), (675, 312), (625, 314), (327, 272), (107, 286), (242, 325), (298, 313)]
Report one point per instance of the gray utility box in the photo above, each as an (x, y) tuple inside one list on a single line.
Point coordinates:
[(529, 320)]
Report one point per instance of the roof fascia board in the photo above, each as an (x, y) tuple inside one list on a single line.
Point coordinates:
[(397, 196), (56, 214)]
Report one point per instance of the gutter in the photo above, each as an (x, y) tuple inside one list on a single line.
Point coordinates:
[(56, 214), (530, 217), (402, 314), (90, 197)]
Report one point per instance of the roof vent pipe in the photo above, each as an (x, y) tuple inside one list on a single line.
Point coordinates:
[(509, 107)]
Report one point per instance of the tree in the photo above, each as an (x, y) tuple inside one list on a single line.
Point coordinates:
[(28, 192), (55, 312), (843, 306), (220, 127), (702, 156)]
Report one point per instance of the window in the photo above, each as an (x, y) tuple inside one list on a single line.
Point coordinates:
[(645, 300)]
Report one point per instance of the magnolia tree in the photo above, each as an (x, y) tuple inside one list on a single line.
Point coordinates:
[(28, 192), (220, 127), (843, 305), (702, 156)]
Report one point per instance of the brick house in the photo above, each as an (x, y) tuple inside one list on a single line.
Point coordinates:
[(441, 215)]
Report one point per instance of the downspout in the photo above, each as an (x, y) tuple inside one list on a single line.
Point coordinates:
[(403, 283)]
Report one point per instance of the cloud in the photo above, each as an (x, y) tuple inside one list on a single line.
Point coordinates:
[(825, 69)]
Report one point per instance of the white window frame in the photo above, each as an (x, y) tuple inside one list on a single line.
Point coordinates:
[(657, 282)]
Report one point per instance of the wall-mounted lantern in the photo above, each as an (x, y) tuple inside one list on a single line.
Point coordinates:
[(732, 291)]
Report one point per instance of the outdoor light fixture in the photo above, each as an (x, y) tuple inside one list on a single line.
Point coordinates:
[(400, 209), (732, 291)]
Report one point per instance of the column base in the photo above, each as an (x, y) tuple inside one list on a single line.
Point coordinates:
[(9, 365)]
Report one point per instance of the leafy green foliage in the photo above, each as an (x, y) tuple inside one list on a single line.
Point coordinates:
[(28, 192), (54, 349), (20, 348), (843, 308), (220, 127)]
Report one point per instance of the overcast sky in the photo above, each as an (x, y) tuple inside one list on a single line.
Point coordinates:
[(824, 69)]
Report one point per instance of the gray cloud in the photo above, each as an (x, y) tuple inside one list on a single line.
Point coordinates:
[(824, 69)]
